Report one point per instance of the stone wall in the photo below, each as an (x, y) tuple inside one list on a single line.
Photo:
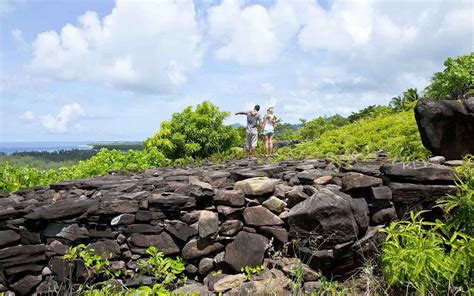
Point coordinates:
[(218, 216)]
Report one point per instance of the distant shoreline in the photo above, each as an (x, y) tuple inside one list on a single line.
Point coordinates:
[(18, 147)]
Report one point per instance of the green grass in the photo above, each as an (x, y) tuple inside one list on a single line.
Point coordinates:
[(397, 134)]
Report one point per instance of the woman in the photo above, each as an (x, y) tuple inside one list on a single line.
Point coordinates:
[(268, 127)]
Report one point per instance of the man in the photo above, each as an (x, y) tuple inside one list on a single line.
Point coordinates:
[(253, 120)]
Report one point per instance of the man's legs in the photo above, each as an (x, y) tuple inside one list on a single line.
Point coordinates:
[(248, 144), (253, 145)]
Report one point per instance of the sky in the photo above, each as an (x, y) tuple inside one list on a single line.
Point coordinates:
[(99, 70)]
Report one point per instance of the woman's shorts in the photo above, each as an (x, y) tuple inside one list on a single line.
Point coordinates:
[(268, 132)]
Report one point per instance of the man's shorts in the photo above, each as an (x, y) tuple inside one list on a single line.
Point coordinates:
[(252, 139)]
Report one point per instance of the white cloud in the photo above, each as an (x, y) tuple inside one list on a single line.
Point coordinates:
[(251, 35), (372, 40), (28, 115), (140, 45), (61, 122)]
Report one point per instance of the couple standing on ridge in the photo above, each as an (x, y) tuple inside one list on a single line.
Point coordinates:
[(267, 125)]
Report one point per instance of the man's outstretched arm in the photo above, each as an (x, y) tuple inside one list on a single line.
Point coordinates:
[(241, 113)]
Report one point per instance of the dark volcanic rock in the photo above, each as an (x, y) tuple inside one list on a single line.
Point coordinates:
[(123, 219), (63, 209), (419, 172), (296, 195), (384, 215), (8, 237), (173, 202), (26, 284), (279, 233), (230, 227), (73, 232), (163, 242), (21, 255), (243, 174), (360, 210), (235, 198), (446, 126), (380, 193), (197, 248), (109, 249), (260, 216), (351, 181), (208, 224), (230, 212), (113, 206), (180, 230), (18, 269), (61, 268), (411, 193), (57, 247), (325, 213), (246, 250), (366, 169), (142, 228)]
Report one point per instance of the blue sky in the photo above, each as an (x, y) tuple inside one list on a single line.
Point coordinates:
[(113, 70)]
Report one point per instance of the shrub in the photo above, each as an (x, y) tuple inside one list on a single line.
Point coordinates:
[(460, 207), (434, 257), (13, 178), (167, 272), (197, 134), (455, 81), (370, 112), (427, 256), (314, 128)]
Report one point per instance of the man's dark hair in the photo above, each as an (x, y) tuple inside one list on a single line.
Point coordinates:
[(257, 108)]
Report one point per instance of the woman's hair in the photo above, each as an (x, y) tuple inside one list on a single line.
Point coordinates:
[(270, 110)]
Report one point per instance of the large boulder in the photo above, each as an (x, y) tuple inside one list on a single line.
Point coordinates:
[(328, 214), (446, 126)]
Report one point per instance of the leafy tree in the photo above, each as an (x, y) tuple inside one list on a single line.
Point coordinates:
[(312, 129), (369, 112), (286, 131), (405, 102), (410, 95), (198, 134), (455, 81)]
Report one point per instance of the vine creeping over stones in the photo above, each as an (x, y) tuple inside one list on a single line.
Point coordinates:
[(217, 217)]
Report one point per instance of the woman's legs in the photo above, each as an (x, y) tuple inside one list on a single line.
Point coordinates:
[(266, 145), (270, 144)]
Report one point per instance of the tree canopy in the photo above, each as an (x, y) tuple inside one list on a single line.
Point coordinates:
[(195, 133), (455, 81)]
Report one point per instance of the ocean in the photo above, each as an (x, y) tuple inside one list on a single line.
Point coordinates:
[(11, 147)]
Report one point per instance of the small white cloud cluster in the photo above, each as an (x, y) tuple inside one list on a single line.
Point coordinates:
[(61, 122)]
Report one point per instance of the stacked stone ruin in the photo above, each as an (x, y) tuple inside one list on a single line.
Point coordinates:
[(217, 217)]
